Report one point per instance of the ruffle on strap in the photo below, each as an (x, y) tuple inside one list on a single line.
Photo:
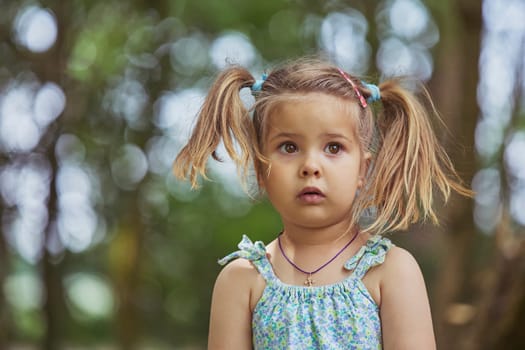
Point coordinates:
[(371, 254), (247, 250)]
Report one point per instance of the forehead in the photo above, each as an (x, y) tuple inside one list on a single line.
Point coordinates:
[(314, 112)]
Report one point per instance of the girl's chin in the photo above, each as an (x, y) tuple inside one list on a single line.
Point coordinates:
[(313, 221)]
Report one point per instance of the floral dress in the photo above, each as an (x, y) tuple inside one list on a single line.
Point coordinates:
[(342, 315)]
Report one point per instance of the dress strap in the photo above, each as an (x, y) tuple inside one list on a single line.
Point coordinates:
[(371, 254), (256, 253)]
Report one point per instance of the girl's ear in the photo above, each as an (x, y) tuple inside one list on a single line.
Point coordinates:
[(365, 163)]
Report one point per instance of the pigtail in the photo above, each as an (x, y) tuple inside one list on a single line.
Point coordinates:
[(410, 163), (222, 116)]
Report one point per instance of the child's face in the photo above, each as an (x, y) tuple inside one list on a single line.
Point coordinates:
[(316, 161)]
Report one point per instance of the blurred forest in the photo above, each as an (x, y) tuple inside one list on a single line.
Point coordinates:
[(101, 248)]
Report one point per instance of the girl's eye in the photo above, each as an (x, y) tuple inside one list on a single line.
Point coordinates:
[(288, 147), (333, 148)]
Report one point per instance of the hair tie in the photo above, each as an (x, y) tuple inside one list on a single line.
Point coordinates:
[(257, 86), (375, 94)]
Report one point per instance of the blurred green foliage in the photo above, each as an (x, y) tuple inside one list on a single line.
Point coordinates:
[(144, 277)]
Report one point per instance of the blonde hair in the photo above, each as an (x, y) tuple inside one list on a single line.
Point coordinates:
[(407, 165)]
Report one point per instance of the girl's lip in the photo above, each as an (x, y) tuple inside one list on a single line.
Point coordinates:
[(311, 191), (311, 195)]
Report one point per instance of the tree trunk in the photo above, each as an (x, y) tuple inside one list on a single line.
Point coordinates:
[(454, 87), (124, 262), (49, 66)]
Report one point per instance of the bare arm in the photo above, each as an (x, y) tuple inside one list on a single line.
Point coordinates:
[(230, 316), (405, 311)]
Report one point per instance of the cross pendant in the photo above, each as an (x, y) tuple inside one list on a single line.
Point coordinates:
[(309, 281)]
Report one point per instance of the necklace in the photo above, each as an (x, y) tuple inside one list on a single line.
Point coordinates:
[(309, 280)]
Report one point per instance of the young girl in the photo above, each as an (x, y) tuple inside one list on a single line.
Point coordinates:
[(323, 155)]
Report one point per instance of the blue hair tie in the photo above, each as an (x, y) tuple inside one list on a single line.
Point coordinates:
[(257, 86), (375, 94)]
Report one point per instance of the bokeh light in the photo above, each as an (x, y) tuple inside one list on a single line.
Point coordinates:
[(23, 290), (18, 130), (77, 220), (25, 190), (407, 32), (232, 48), (36, 28), (50, 102), (129, 166), (487, 185), (90, 296), (343, 37), (189, 54)]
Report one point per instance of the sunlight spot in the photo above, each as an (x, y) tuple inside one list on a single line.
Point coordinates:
[(18, 130), (50, 102), (25, 181), (517, 204), (189, 54), (514, 155), (128, 99), (487, 183), (23, 290), (343, 36), (487, 210), (509, 15), (25, 189), (77, 222), (161, 151), (73, 179), (408, 18), (486, 217), (90, 294), (232, 48), (498, 56), (488, 137), (36, 28), (129, 166), (69, 149), (176, 113), (25, 230), (411, 60)]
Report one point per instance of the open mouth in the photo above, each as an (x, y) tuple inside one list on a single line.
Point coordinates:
[(311, 191), (311, 195)]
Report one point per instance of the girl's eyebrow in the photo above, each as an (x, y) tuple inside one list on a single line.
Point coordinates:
[(284, 135), (337, 136), (333, 135)]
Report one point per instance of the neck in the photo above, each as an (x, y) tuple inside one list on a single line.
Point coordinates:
[(318, 236)]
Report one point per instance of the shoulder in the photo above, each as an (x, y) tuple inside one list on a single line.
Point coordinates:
[(238, 273), (399, 266), (396, 267), (400, 259), (240, 281)]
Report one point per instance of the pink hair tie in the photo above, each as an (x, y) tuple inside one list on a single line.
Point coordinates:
[(359, 96)]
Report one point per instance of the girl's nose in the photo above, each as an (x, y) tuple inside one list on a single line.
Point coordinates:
[(310, 168)]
